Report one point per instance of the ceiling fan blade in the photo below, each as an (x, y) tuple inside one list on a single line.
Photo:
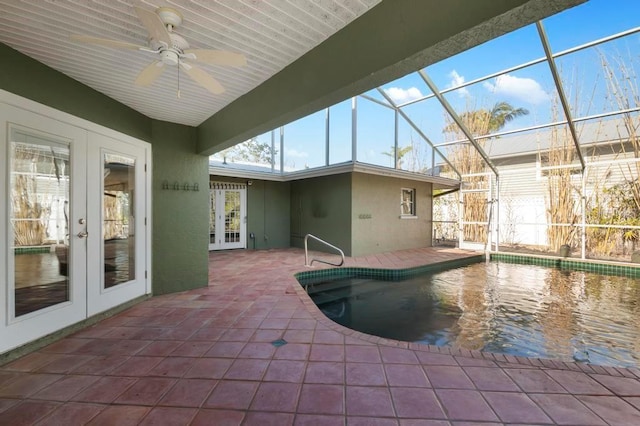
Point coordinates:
[(154, 25), (104, 42), (202, 78), (148, 75), (218, 57)]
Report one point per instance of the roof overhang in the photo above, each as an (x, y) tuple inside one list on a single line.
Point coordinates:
[(348, 167)]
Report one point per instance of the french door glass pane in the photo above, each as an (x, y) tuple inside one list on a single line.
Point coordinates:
[(212, 217), (232, 216), (118, 231), (39, 214)]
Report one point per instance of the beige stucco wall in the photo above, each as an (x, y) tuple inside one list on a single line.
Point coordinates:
[(378, 197)]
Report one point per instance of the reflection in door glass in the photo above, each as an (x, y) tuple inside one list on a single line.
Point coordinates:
[(39, 182), (212, 217), (232, 216), (118, 219)]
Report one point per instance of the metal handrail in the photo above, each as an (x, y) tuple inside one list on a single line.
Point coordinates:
[(306, 252)]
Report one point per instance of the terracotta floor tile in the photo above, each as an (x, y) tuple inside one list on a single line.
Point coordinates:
[(69, 344), (232, 395), (321, 399), (578, 383), (105, 390), (465, 405), (566, 410), (247, 369), (160, 348), (146, 391), (361, 374), (30, 362), (65, 388), (613, 410), (6, 377), (325, 373), (490, 379), (100, 365), (295, 351), (188, 393), (208, 368), (448, 377), (536, 381), (266, 336), (369, 401), (298, 336), (236, 335), (514, 407), (72, 413), (406, 375), (318, 420), (416, 403), (268, 419), (65, 363), (192, 349), (225, 349), (280, 397), (257, 350), (137, 366), (321, 352), (370, 421), (173, 416), (621, 386), (275, 323), (172, 367), (357, 353), (285, 371), (474, 362), (121, 415), (218, 418), (27, 385), (398, 355), (26, 412), (6, 403), (302, 324), (328, 337)]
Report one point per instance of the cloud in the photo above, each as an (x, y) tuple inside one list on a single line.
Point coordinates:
[(523, 89), (457, 80), (400, 96), (295, 153)]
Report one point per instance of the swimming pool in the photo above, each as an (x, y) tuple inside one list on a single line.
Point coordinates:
[(514, 309)]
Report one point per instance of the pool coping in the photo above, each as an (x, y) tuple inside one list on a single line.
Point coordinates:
[(522, 361)]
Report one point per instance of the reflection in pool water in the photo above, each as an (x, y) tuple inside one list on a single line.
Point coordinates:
[(498, 307)]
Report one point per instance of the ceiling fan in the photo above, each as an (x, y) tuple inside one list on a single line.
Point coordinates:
[(171, 49)]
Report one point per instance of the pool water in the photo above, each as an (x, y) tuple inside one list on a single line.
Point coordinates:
[(506, 308)]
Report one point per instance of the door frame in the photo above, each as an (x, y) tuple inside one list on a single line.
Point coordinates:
[(230, 186), (47, 114)]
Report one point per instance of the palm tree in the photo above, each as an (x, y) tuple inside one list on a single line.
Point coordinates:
[(482, 121), (400, 153)]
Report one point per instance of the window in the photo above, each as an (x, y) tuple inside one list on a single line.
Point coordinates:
[(408, 202)]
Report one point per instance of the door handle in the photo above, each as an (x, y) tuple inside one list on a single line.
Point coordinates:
[(83, 234)]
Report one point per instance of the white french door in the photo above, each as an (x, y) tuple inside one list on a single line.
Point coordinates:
[(227, 216), (72, 224)]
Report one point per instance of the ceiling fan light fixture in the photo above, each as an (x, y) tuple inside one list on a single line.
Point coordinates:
[(169, 57)]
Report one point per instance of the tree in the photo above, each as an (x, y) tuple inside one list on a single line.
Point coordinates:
[(483, 121), (252, 151), (399, 154), (467, 160)]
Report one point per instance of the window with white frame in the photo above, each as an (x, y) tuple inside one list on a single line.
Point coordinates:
[(408, 202)]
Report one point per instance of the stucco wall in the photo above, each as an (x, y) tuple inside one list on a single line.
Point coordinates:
[(268, 212), (322, 207), (180, 218), (378, 197)]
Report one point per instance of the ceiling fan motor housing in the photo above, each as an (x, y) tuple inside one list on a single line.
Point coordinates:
[(169, 57)]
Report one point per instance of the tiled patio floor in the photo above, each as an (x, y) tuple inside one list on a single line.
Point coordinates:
[(205, 357)]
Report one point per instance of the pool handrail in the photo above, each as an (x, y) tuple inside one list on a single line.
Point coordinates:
[(306, 252)]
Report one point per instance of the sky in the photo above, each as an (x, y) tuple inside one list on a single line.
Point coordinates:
[(531, 88)]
